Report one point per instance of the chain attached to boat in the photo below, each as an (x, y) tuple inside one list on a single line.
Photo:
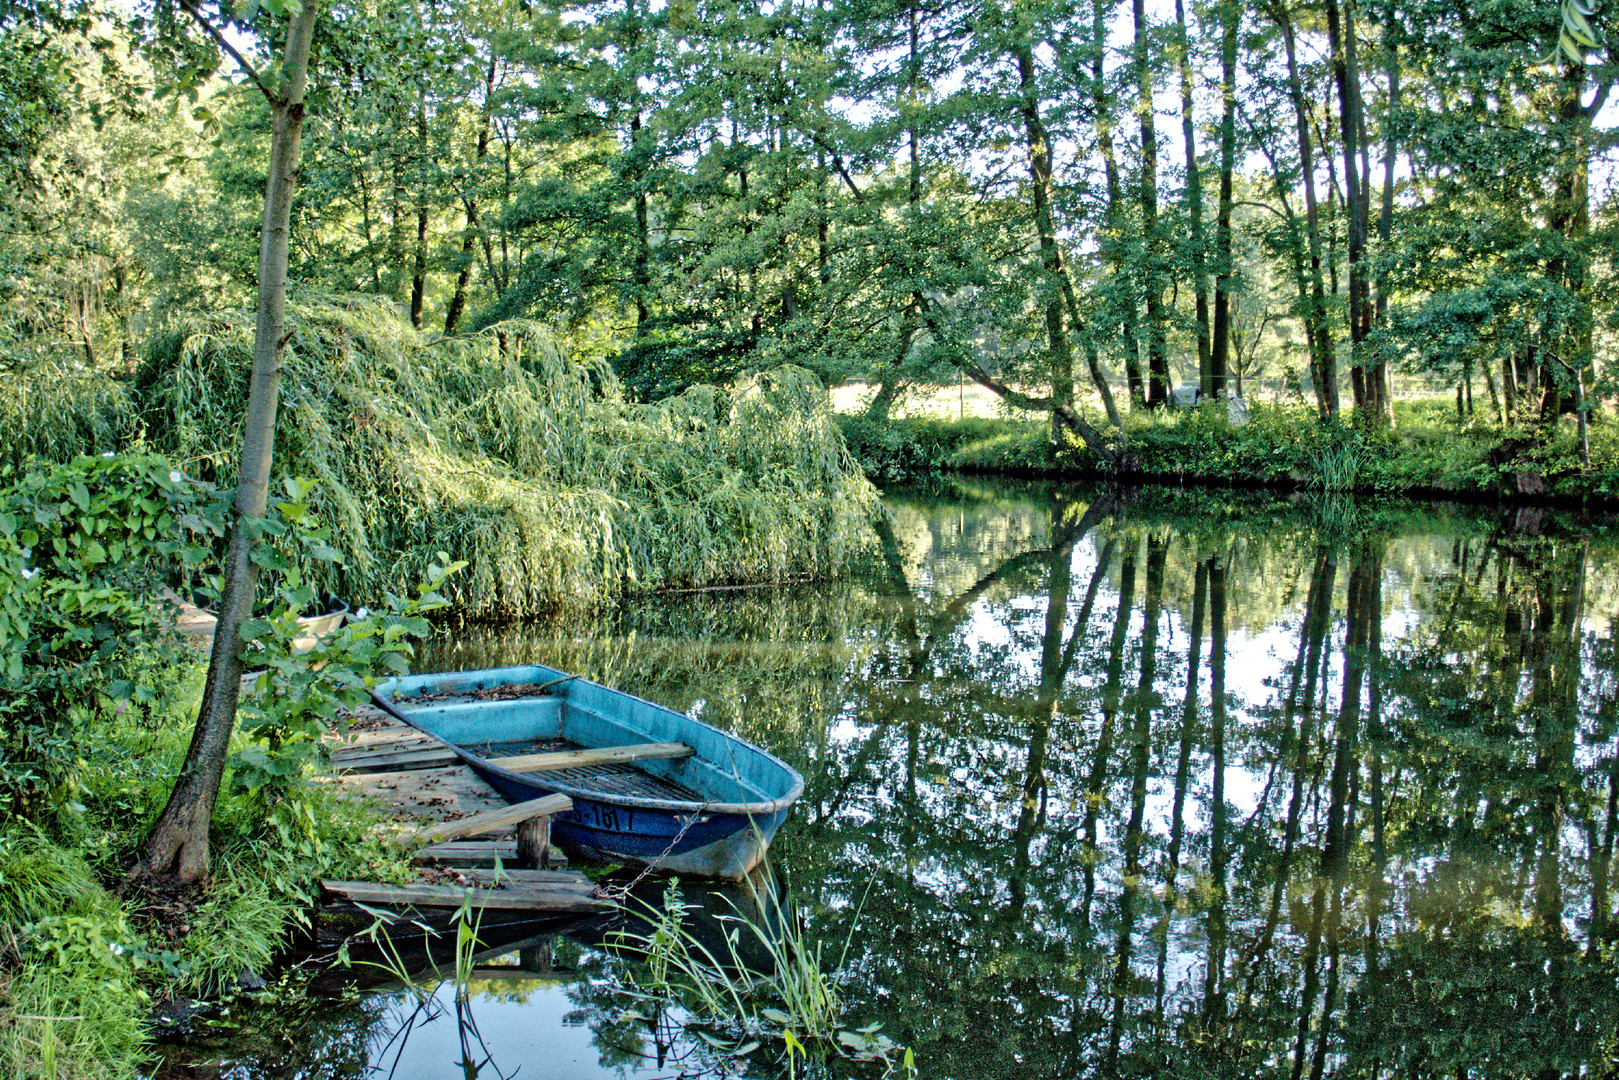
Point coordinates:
[(619, 893)]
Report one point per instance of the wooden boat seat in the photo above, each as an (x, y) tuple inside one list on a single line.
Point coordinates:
[(585, 769), (556, 761)]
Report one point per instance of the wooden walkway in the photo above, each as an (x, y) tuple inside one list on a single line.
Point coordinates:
[(423, 790)]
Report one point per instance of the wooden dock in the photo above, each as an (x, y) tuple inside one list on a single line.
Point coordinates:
[(458, 826)]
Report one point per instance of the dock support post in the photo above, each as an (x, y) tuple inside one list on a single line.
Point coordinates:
[(533, 842)]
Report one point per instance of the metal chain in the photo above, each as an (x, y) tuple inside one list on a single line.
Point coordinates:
[(620, 893)]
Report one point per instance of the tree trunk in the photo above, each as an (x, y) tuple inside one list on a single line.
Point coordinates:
[(458, 301), (1112, 248), (1315, 316), (1385, 220), (1062, 356), (178, 843), (418, 278), (1194, 201), (1157, 345), (1346, 70), (1220, 360)]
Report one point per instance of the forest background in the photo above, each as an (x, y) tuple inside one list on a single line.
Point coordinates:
[(568, 282), (1079, 206)]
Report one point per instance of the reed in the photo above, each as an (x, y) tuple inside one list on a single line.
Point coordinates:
[(795, 998)]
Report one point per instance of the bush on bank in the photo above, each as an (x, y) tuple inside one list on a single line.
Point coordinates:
[(1284, 446), (98, 696)]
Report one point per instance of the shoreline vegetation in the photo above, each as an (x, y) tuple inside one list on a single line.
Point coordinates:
[(495, 448), (1429, 454)]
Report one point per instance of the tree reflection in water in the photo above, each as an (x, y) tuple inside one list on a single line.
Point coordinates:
[(1178, 787), (1173, 786)]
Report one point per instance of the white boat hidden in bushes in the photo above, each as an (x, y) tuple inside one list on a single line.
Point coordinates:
[(649, 785)]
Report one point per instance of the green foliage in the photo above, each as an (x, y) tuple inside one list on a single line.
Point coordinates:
[(84, 548), (54, 412), (894, 448), (71, 1001), (1427, 452), (530, 468)]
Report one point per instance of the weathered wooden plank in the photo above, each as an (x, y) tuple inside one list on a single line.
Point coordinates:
[(537, 897), (468, 853), (491, 820), (435, 794), (572, 879), (603, 755), (388, 758)]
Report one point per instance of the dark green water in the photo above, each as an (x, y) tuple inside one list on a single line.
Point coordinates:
[(1163, 786)]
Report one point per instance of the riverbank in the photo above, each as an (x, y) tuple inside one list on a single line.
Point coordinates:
[(1428, 454)]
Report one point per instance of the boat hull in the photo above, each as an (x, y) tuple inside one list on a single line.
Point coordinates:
[(723, 834)]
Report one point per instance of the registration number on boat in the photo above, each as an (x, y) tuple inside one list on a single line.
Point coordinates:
[(600, 816)]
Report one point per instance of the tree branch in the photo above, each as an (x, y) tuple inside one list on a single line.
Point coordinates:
[(231, 51), (1602, 96)]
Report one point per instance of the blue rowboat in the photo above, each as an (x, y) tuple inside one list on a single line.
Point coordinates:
[(649, 785)]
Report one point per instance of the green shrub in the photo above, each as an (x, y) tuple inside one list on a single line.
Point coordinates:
[(84, 548)]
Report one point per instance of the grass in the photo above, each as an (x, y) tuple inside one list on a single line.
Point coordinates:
[(70, 1000), (81, 969)]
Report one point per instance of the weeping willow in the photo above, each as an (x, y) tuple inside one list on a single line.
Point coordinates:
[(499, 450), (56, 410)]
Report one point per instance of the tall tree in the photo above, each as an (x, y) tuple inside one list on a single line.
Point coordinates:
[(1153, 258), (178, 842)]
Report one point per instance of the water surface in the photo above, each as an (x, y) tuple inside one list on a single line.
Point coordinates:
[(1161, 785)]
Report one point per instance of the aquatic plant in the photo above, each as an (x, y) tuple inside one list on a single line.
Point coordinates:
[(526, 464), (792, 996)]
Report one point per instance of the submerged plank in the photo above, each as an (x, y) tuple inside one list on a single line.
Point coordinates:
[(604, 755), (515, 897), (562, 879)]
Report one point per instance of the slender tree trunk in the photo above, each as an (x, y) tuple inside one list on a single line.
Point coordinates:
[(891, 376), (365, 223), (1158, 382), (1316, 313), (1385, 221), (1062, 356), (396, 226), (469, 236), (1220, 361), (1341, 38), (1112, 243), (178, 842), (418, 278), (1194, 201)]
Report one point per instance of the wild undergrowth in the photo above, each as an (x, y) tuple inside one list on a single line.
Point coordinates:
[(527, 465)]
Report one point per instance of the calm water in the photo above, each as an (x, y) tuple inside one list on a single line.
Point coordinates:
[(1163, 786)]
